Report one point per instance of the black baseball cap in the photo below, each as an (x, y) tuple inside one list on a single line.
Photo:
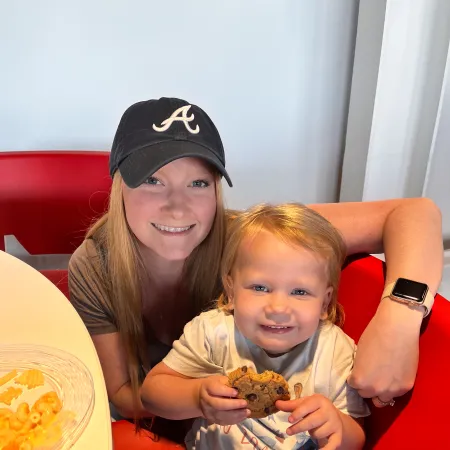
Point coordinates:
[(153, 133)]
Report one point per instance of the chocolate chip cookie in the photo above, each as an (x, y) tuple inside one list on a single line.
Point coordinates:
[(260, 390)]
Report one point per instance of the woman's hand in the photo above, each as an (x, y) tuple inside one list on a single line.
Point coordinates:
[(388, 353), (217, 403)]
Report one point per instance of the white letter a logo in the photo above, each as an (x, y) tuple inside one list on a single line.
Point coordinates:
[(165, 124)]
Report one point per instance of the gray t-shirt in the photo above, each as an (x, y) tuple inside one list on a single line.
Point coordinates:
[(90, 298), (212, 345)]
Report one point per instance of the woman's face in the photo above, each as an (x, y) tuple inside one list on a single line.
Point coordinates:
[(172, 212)]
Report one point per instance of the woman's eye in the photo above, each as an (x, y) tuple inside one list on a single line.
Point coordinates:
[(152, 180), (260, 288), (200, 183), (299, 292)]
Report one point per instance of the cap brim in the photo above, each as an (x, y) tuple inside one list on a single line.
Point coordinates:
[(143, 163)]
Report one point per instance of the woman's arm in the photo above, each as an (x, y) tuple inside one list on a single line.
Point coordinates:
[(410, 234), (89, 296), (408, 231), (114, 365)]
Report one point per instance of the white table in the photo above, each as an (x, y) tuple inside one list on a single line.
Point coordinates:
[(34, 311)]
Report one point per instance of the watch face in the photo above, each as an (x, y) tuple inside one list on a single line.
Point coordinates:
[(410, 290)]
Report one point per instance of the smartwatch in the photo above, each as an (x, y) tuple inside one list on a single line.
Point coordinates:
[(411, 293)]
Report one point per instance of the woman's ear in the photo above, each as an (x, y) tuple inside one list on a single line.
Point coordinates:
[(326, 303)]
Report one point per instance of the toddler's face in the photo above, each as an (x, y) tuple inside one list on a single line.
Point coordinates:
[(278, 292)]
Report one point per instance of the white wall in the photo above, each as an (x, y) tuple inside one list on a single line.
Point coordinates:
[(398, 139), (273, 75), (398, 134), (369, 38), (437, 181)]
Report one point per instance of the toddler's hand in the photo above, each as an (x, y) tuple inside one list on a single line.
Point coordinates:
[(317, 415), (217, 402)]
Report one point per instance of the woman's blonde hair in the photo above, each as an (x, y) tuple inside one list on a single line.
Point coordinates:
[(296, 225), (124, 273)]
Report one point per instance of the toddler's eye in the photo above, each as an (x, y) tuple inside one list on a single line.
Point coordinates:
[(299, 292), (260, 288)]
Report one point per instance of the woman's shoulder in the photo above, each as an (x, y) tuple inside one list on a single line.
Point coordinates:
[(86, 269), (86, 254), (88, 289)]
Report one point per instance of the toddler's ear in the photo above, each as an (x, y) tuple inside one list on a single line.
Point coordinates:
[(326, 303), (228, 285)]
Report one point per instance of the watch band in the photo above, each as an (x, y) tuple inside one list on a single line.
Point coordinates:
[(427, 304)]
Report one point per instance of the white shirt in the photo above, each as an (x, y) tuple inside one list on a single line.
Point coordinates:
[(212, 345)]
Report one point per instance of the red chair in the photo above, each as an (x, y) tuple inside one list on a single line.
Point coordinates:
[(125, 438), (49, 199), (418, 420)]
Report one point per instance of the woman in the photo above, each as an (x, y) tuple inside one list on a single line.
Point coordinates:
[(152, 262)]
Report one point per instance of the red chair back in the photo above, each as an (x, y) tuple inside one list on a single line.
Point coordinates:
[(48, 199)]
